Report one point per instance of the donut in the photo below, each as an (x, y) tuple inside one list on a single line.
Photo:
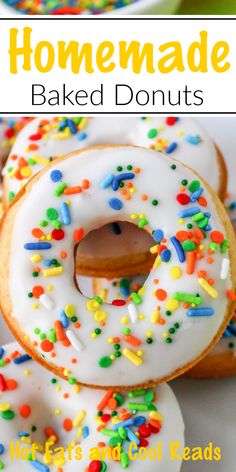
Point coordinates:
[(190, 291), (40, 411), (68, 7), (182, 138)]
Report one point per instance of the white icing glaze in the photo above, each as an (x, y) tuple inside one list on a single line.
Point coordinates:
[(202, 156), (49, 409), (89, 210)]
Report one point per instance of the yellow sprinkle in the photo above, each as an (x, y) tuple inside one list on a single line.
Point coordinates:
[(67, 372), (5, 406), (49, 237), (83, 124), (140, 353), (103, 294), (142, 290), (155, 317), (49, 288), (79, 432), (79, 418), (181, 221), (58, 388), (92, 305), (132, 357), (27, 372), (165, 335), (112, 357), (157, 262), (110, 340), (153, 249), (132, 190), (208, 288), (156, 416), (141, 316), (149, 334), (70, 311), (76, 388), (26, 171), (41, 160), (43, 238), (202, 246), (172, 304), (35, 306), (181, 133), (93, 335), (53, 271), (124, 320), (175, 272), (133, 216), (57, 412), (100, 316), (36, 258)]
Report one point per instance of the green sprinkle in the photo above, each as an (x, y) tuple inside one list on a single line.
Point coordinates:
[(122, 433), (60, 189), (34, 428), (119, 398), (224, 246), (137, 393), (129, 167), (184, 182), (54, 381), (199, 216), (31, 161), (194, 185), (137, 406), (168, 313), (51, 214), (149, 397), (2, 363), (72, 381), (149, 340), (188, 246), (115, 441), (43, 336), (168, 341), (11, 196), (117, 347), (172, 330), (143, 222), (43, 223), (30, 295), (8, 415), (98, 299), (1, 465), (137, 299), (105, 362), (188, 298), (109, 432), (153, 133), (173, 166), (119, 168), (52, 336), (189, 226), (124, 460), (56, 224), (214, 246), (126, 331), (36, 331), (98, 331), (201, 224), (154, 202)]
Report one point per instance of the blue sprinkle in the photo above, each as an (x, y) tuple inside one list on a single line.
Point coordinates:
[(37, 246), (105, 183), (72, 127), (39, 466), (120, 178), (65, 214), (227, 334), (207, 228), (124, 291), (207, 214), (63, 125), (232, 206), (165, 255), (115, 204), (192, 139), (200, 312), (123, 424), (158, 235), (47, 263), (85, 432), (21, 359), (189, 212), (22, 434), (178, 248), (56, 175), (1, 352), (195, 195), (171, 148), (64, 319), (82, 136), (2, 449), (139, 420), (131, 436)]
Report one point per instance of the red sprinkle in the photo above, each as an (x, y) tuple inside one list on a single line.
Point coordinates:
[(171, 120), (144, 431), (35, 137), (105, 418), (46, 345), (119, 302), (95, 466), (25, 411), (58, 234), (217, 237), (3, 385), (183, 198)]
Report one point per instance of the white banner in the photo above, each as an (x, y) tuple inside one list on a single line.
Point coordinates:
[(123, 65)]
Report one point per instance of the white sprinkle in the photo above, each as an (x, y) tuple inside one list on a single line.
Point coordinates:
[(224, 269), (46, 301), (133, 312), (74, 340)]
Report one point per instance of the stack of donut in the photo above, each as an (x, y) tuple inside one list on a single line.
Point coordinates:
[(68, 185)]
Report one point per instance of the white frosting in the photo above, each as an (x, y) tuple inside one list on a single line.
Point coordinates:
[(89, 210), (202, 156), (50, 408)]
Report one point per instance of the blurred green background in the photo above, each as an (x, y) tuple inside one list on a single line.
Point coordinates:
[(208, 7)]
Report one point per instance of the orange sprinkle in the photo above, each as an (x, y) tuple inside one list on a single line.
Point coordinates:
[(116, 340), (50, 432), (112, 404), (137, 170), (201, 274), (72, 190), (217, 237), (13, 157), (33, 147), (101, 444), (66, 395), (231, 295), (85, 184), (190, 262), (161, 294), (46, 345), (25, 411), (67, 424), (37, 291), (132, 340), (63, 254), (182, 235), (37, 233), (144, 197), (202, 201), (103, 403), (198, 233), (162, 321), (210, 260), (78, 234), (53, 355), (74, 361), (11, 384), (211, 281)]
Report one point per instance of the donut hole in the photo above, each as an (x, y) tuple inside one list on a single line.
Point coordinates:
[(118, 252)]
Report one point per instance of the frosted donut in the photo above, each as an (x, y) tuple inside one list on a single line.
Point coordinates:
[(183, 138), (36, 408), (190, 291)]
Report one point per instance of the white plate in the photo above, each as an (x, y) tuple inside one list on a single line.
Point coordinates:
[(208, 406)]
